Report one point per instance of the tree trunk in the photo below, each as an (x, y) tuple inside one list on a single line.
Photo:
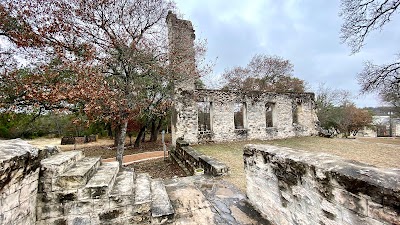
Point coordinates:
[(155, 130), (117, 135), (144, 136), (109, 130), (139, 137), (160, 122), (121, 130)]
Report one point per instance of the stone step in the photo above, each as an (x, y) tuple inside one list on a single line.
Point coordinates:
[(122, 193), (142, 201), (101, 183), (78, 175), (57, 164), (161, 207)]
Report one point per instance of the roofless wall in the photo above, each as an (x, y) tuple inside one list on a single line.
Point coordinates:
[(218, 115)]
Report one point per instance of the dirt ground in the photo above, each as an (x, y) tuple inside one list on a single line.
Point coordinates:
[(157, 168), (102, 147), (380, 152)]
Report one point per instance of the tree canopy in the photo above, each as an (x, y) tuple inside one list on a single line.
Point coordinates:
[(106, 58), (264, 73), (336, 111)]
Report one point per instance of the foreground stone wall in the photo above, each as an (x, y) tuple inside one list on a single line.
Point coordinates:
[(19, 174), (222, 115), (295, 187)]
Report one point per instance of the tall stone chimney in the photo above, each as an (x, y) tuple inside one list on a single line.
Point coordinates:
[(181, 52), (182, 61)]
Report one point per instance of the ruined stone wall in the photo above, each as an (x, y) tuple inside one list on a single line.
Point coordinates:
[(222, 115), (19, 174), (296, 187), (185, 115), (192, 160), (183, 66), (181, 51)]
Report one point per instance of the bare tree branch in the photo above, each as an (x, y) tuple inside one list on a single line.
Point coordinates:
[(363, 16), (379, 77)]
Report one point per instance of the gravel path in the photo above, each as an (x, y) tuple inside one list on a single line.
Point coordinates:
[(130, 159)]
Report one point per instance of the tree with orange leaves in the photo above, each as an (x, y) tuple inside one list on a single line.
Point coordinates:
[(103, 57), (264, 73)]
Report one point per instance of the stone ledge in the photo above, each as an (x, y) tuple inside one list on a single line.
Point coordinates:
[(341, 191), (19, 174), (193, 159), (344, 170), (17, 159)]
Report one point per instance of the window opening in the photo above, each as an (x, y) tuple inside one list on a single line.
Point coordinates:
[(295, 112), (204, 116), (269, 111), (240, 115)]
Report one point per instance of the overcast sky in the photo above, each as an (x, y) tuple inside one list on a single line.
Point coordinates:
[(304, 31)]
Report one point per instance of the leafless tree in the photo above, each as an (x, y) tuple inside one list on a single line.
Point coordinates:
[(361, 17)]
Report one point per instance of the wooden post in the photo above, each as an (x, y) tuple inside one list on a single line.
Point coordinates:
[(164, 146)]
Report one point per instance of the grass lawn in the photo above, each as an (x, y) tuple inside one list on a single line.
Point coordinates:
[(380, 152)]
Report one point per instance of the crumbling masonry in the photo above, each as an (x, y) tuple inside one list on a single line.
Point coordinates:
[(217, 115)]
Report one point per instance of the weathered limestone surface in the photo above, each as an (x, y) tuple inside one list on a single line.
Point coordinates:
[(161, 207), (192, 159), (101, 183), (81, 190), (182, 56), (19, 174), (223, 128), (68, 188), (295, 187), (200, 200), (78, 175)]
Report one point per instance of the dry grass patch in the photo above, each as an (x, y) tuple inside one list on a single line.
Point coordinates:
[(380, 152)]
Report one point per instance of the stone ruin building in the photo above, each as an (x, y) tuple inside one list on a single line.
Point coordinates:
[(284, 186), (202, 115)]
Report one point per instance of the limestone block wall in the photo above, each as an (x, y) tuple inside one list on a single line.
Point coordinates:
[(192, 159), (296, 187), (185, 121), (19, 174)]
